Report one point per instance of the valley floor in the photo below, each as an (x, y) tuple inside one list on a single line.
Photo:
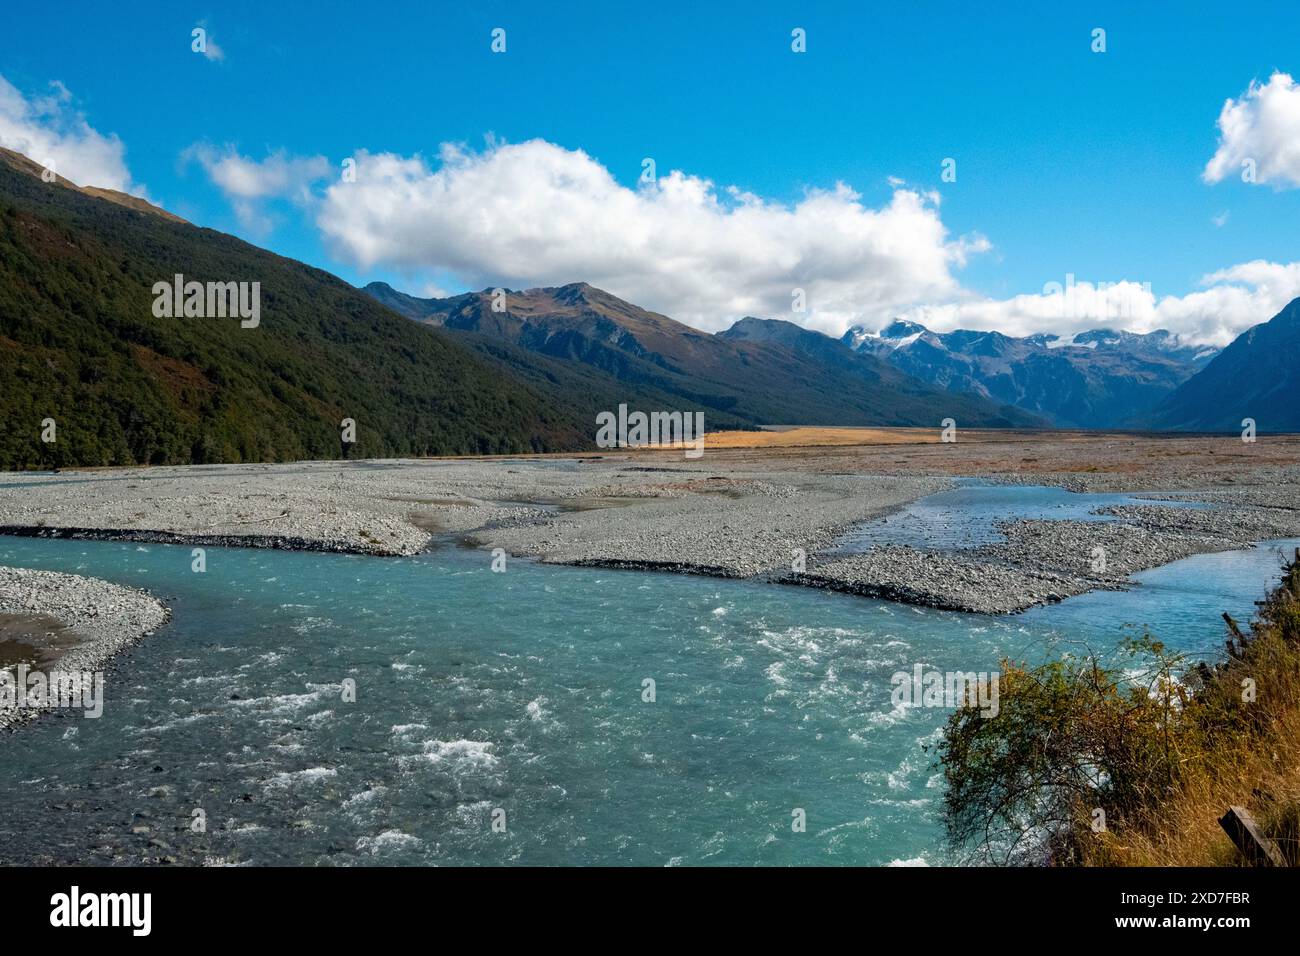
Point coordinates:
[(773, 512)]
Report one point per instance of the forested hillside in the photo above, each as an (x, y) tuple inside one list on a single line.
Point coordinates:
[(79, 344)]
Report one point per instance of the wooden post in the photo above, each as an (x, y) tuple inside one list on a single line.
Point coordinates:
[(1249, 839)]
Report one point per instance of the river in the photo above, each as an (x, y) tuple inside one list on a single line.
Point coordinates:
[(520, 696)]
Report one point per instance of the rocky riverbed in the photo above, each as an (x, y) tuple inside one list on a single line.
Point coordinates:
[(947, 580), (98, 619), (775, 515), (629, 511), (1042, 561)]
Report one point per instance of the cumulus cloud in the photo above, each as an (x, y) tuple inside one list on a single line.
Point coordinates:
[(1229, 301), (1232, 301), (50, 131), (535, 214), (1261, 129), (249, 184)]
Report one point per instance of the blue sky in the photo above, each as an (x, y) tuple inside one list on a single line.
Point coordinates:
[(1068, 161)]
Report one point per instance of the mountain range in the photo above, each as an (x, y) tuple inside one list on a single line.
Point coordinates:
[(1095, 379), (771, 371), (788, 376), (81, 346)]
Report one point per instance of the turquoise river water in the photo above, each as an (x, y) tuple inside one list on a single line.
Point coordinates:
[(522, 692)]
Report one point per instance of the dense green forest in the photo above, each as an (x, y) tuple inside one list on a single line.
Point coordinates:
[(79, 344)]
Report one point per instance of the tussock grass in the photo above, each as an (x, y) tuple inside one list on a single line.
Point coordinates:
[(1154, 750)]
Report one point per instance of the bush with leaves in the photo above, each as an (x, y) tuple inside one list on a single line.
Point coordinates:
[(1088, 759)]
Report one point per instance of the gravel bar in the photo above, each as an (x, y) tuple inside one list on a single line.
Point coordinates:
[(1045, 561), (106, 617), (730, 514)]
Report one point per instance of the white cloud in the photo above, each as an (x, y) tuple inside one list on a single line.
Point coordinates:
[(533, 214), (49, 131), (278, 175), (249, 184), (1263, 129), (1220, 220), (1230, 301)]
